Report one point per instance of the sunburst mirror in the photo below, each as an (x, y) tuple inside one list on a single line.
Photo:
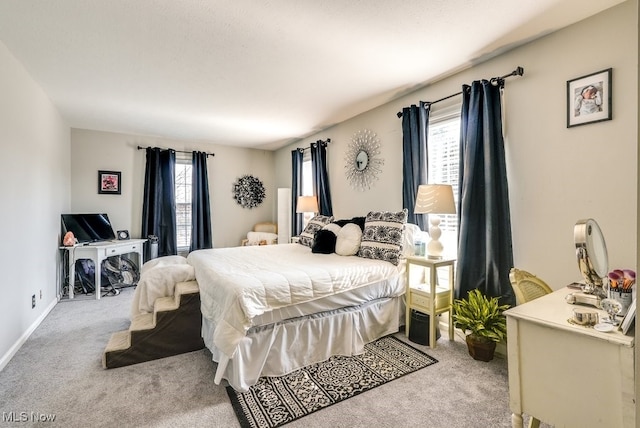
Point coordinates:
[(363, 163)]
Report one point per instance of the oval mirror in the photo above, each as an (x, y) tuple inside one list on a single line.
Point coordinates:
[(362, 159), (591, 251)]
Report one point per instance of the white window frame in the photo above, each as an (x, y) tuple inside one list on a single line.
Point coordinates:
[(183, 225), (307, 182), (445, 171)]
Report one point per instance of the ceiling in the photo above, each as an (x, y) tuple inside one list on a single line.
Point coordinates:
[(258, 74)]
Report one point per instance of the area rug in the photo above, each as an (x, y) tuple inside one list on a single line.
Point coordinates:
[(275, 401)]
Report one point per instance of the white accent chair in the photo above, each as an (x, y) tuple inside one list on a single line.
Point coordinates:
[(265, 233)]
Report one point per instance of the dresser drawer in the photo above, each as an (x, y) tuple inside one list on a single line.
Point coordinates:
[(122, 249), (420, 296)]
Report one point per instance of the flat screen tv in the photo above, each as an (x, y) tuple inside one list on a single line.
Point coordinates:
[(88, 227)]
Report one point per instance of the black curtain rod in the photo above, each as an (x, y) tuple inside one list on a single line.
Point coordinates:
[(178, 151), (302, 149), (519, 71)]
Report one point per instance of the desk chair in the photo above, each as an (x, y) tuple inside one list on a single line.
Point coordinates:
[(527, 287)]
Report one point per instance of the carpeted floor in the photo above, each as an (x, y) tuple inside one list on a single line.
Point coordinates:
[(58, 372)]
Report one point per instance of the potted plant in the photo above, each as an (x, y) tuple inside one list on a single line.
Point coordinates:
[(483, 318)]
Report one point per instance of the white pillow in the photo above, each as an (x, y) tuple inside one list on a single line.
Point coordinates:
[(411, 232), (255, 238), (348, 240), (333, 227)]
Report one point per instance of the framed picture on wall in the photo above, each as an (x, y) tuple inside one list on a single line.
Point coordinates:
[(589, 98), (109, 182)]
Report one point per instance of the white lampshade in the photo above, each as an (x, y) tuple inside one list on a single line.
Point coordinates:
[(307, 204), (435, 199)]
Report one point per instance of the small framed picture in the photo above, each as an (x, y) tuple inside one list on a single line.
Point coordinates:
[(628, 319), (109, 182), (589, 98)]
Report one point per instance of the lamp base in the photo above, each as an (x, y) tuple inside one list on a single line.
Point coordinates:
[(430, 257)]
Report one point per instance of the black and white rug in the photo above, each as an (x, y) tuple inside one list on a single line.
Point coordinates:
[(275, 401)]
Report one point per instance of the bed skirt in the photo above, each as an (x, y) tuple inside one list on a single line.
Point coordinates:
[(280, 348)]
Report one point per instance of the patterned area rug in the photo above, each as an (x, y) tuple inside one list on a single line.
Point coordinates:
[(275, 401)]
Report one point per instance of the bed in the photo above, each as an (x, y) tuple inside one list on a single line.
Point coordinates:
[(269, 310)]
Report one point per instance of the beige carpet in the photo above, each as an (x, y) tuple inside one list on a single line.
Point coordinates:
[(58, 372)]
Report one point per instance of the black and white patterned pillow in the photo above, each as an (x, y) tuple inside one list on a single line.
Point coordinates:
[(382, 235), (314, 225)]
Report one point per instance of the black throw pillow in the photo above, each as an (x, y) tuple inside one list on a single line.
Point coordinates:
[(359, 221), (324, 242)]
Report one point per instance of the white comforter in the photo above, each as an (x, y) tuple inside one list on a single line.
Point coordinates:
[(238, 284)]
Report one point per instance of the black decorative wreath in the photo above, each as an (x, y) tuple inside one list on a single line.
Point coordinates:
[(248, 191)]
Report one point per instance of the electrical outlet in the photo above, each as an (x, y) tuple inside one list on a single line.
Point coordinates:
[(33, 301), (40, 294)]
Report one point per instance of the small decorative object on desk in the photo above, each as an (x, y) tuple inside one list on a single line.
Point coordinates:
[(620, 288)]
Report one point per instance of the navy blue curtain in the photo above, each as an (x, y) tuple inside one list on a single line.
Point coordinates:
[(200, 208), (321, 177), (415, 123), (485, 253), (159, 203), (296, 188)]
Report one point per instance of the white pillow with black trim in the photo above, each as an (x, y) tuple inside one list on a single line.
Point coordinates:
[(382, 235), (314, 225)]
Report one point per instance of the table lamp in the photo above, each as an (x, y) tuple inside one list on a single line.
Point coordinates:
[(307, 204), (435, 199)]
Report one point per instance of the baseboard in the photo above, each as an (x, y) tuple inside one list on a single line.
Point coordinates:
[(16, 346)]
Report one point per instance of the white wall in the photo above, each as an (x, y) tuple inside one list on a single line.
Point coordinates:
[(556, 175), (92, 151), (35, 170)]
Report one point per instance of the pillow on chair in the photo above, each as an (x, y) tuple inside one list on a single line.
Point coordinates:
[(256, 238)]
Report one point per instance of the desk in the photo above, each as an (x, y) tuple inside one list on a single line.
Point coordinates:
[(97, 253), (419, 296), (564, 374)]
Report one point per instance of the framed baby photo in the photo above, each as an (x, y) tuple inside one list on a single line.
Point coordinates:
[(589, 98), (109, 182)]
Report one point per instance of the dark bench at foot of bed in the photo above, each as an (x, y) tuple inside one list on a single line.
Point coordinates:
[(173, 328)]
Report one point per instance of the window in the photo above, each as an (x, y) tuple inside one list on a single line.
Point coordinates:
[(444, 155), (183, 202), (307, 182)]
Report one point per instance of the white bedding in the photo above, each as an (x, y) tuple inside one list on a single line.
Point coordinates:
[(245, 286), (158, 278)]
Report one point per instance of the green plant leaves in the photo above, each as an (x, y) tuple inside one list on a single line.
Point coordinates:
[(481, 316)]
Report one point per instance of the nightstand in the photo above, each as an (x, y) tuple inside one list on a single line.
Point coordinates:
[(420, 293)]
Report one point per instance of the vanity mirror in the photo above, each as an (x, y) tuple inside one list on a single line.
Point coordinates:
[(591, 251)]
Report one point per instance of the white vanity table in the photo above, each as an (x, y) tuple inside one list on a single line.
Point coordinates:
[(98, 252), (568, 375)]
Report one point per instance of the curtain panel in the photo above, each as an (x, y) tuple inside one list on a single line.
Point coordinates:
[(415, 123), (201, 228), (296, 187), (321, 177), (159, 201), (485, 253)]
